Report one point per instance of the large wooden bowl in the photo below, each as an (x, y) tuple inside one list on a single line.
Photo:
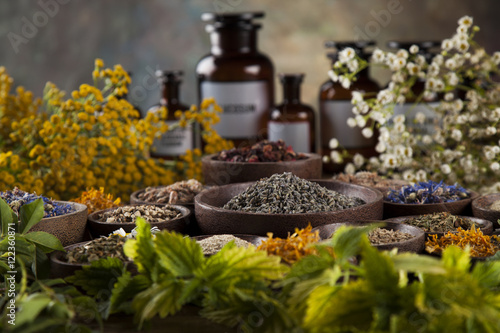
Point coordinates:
[(213, 219), (68, 228), (481, 208), (415, 244), (223, 173)]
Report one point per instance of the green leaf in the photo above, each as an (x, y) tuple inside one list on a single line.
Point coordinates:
[(411, 262), (41, 265), (30, 214), (142, 250), (179, 255), (8, 217), (456, 258), (30, 308), (98, 278), (45, 241), (124, 290), (346, 241)]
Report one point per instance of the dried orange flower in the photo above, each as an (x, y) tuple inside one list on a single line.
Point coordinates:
[(97, 200), (294, 247), (480, 245)]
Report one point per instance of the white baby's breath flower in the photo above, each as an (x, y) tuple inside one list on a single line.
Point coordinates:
[(357, 97), (448, 96), (385, 97), (400, 128), (466, 21), (420, 117), (452, 78), (414, 49), (353, 65), (326, 159), (336, 157), (433, 69), (367, 132), (490, 130), (456, 134), (462, 30), (412, 68), (496, 58), (351, 122), (438, 59), (495, 166), (380, 147), (462, 46), (375, 162), (350, 169), (363, 107), (333, 143), (399, 119), (421, 175), (445, 168), (495, 149), (439, 85), (398, 77), (408, 175), (333, 76), (447, 44), (345, 82), (390, 161), (495, 114), (401, 99), (398, 63), (489, 154), (451, 64), (420, 60), (458, 105), (360, 121), (358, 160), (402, 54), (346, 54), (120, 232), (378, 56)]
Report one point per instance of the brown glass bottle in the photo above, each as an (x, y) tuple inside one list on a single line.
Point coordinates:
[(174, 142), (335, 108), (409, 109), (238, 76), (292, 121)]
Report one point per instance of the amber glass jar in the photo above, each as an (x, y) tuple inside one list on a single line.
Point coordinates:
[(335, 108), (292, 121), (175, 142), (428, 49), (237, 75)]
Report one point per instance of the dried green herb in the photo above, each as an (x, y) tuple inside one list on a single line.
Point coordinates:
[(98, 248), (386, 236), (440, 222)]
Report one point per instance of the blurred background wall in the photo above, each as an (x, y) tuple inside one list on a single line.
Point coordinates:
[(157, 34)]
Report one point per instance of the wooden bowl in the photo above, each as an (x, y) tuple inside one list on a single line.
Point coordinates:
[(98, 228), (222, 172), (481, 208), (213, 219), (485, 225), (60, 268), (415, 244), (68, 228), (459, 207)]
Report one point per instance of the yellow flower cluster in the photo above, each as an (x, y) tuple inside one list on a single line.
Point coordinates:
[(93, 139)]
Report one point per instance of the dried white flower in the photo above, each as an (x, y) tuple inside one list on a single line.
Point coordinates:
[(360, 121), (466, 21), (367, 132), (446, 169), (350, 169), (420, 117), (447, 44), (380, 147), (490, 130), (357, 97), (456, 134), (495, 166), (351, 122), (414, 49), (402, 54), (346, 54), (333, 76), (336, 157), (353, 65), (358, 160), (378, 56), (333, 144), (345, 82)]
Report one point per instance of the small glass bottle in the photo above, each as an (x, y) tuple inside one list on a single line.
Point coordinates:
[(237, 75), (292, 121), (428, 49), (336, 107), (174, 142)]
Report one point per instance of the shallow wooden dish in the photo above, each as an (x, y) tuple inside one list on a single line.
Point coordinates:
[(68, 228), (460, 207), (223, 173), (59, 268), (98, 228), (485, 225), (213, 219), (416, 244), (480, 208)]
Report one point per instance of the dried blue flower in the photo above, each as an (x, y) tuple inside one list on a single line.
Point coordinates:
[(17, 198), (427, 193)]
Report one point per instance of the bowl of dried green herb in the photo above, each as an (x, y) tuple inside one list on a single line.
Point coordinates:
[(162, 216), (211, 244), (428, 197), (443, 222), (263, 159), (281, 203), (487, 207), (390, 235), (63, 264)]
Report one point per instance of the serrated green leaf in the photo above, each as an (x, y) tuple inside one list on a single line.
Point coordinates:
[(456, 258), (45, 241), (347, 241), (179, 255), (124, 290), (99, 277), (7, 216), (41, 265), (142, 250), (30, 309), (487, 274), (30, 214), (411, 262)]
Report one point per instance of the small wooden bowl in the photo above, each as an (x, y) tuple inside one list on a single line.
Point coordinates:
[(98, 228), (60, 268), (459, 207), (222, 172), (213, 219), (415, 244), (68, 228), (481, 208), (485, 225)]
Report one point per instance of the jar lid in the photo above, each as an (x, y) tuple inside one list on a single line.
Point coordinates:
[(169, 75), (362, 48), (291, 77), (231, 20)]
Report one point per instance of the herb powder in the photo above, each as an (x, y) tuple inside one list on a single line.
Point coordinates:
[(212, 245)]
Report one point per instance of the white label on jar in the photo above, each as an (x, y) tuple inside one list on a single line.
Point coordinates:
[(334, 115), (174, 142), (410, 111), (244, 103), (294, 134)]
